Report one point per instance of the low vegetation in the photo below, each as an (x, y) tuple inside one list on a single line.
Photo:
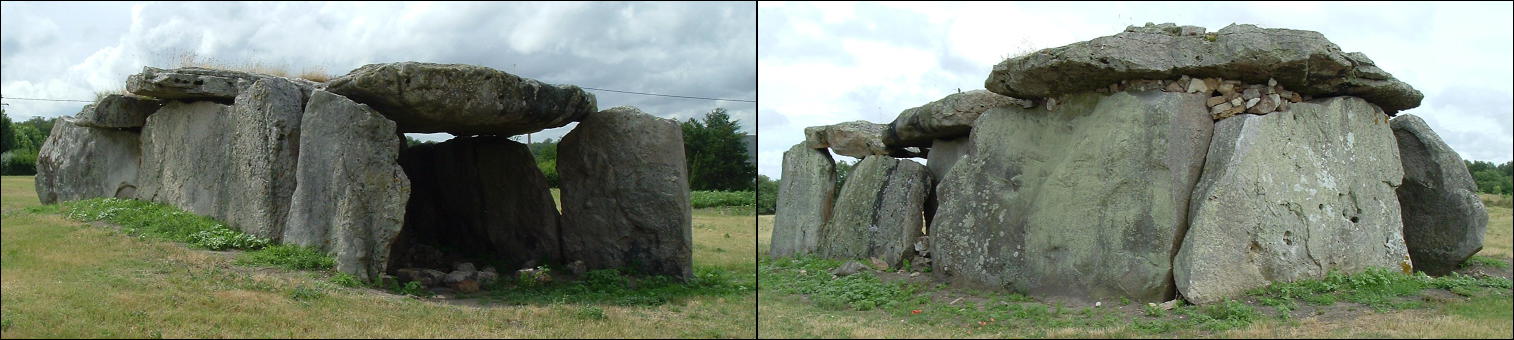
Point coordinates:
[(800, 298), (163, 282)]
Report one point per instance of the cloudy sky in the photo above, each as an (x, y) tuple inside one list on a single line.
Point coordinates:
[(827, 63), (73, 50)]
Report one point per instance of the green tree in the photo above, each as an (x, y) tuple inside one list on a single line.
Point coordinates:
[(842, 170), (716, 154), (767, 195), (7, 138), (545, 153)]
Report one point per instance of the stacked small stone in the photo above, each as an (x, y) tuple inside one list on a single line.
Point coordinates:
[(1230, 97)]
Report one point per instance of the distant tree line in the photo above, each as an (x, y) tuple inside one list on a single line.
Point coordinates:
[(1492, 178), (19, 143)]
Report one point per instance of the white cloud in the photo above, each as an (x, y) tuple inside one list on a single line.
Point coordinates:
[(820, 66)]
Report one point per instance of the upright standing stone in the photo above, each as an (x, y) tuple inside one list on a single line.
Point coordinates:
[(943, 154), (1086, 203), (879, 213), (1293, 195), (1444, 220), (351, 197), (625, 193), (233, 163), (483, 195), (79, 162), (805, 195)]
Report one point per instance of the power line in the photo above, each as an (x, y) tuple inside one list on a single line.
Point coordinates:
[(674, 96), (51, 100)]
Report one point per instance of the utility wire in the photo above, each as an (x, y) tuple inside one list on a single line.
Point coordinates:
[(674, 96), (51, 100)]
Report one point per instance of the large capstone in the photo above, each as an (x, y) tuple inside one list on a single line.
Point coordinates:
[(625, 194), (1086, 203), (190, 83), (462, 99), (351, 197), (79, 162), (855, 138), (234, 163), (805, 194), (1302, 61), (1293, 195), (948, 118), (879, 213), (1444, 220), (117, 111), (481, 198)]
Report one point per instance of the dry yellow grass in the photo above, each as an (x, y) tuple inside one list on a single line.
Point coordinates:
[(188, 59), (1497, 241), (66, 279), (1397, 324)]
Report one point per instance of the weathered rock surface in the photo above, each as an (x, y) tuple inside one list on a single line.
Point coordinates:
[(232, 163), (948, 118), (1088, 203), (117, 111), (1444, 220), (351, 197), (79, 162), (879, 212), (805, 194), (190, 83), (943, 154), (855, 138), (1303, 61), (483, 197), (625, 193), (1293, 195), (462, 99)]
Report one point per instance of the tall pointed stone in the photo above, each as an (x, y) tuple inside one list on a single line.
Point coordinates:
[(805, 195)]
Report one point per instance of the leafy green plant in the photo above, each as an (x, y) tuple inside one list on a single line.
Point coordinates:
[(141, 218), (707, 199), (346, 280), (288, 256), (590, 313), (305, 293)]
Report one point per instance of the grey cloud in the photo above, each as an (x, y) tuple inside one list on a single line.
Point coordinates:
[(693, 49)]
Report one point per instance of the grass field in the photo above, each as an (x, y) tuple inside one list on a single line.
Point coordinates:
[(62, 278), (1400, 307)]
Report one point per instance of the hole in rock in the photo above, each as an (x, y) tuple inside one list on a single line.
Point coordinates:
[(480, 200)]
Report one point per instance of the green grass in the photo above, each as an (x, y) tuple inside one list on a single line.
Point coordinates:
[(1376, 287), (610, 286), (1478, 260)]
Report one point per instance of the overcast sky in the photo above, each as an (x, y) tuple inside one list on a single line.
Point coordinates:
[(72, 50), (826, 63)]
